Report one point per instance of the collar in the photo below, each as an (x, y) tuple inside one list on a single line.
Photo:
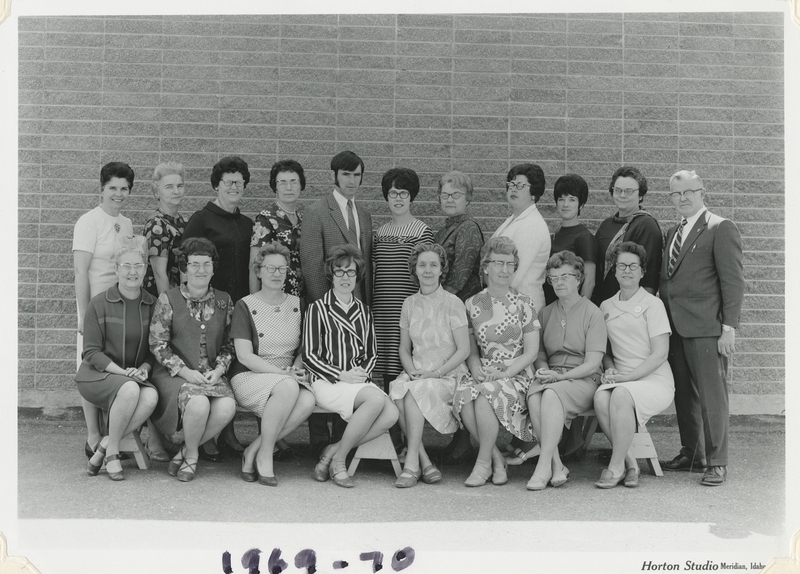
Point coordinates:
[(436, 292), (217, 210), (169, 217), (528, 211), (114, 296), (342, 200), (188, 296), (690, 221)]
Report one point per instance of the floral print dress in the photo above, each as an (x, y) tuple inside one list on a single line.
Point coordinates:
[(163, 233), (273, 224)]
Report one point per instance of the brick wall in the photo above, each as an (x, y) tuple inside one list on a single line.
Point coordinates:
[(580, 93)]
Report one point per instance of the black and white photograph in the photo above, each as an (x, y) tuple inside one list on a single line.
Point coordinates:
[(442, 287)]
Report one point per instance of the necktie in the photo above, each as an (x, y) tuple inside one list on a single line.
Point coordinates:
[(676, 247), (351, 222)]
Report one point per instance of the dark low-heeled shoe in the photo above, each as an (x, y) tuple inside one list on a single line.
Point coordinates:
[(284, 454), (322, 469), (226, 448), (248, 475), (115, 475), (88, 450), (176, 462), (92, 469), (211, 457)]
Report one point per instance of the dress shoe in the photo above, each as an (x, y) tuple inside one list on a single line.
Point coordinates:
[(284, 454), (499, 470), (431, 474), (714, 476), (227, 448), (631, 478), (560, 478), (682, 462), (481, 472), (407, 478), (608, 480), (92, 469), (187, 471), (248, 475), (114, 475), (175, 463), (536, 484), (157, 455), (339, 476), (211, 456), (88, 450), (322, 470), (519, 456)]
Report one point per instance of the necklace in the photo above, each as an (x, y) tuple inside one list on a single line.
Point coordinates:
[(275, 306)]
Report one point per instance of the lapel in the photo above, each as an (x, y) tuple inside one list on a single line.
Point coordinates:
[(508, 222), (345, 320), (699, 227), (336, 214)]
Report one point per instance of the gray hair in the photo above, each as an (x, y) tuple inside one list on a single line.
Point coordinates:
[(133, 244), (164, 169), (686, 175)]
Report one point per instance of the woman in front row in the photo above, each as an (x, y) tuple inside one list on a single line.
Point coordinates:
[(638, 382), (568, 367), (190, 339), (503, 345), (116, 357), (267, 375), (434, 342), (339, 351)]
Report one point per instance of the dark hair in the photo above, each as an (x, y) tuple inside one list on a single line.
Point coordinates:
[(633, 248), (268, 249), (116, 169), (400, 178), (346, 160), (535, 177), (285, 165), (574, 185), (196, 246), (229, 164), (562, 258), (427, 248), (459, 181), (629, 171), (342, 256)]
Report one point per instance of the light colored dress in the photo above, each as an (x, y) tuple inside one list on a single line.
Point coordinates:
[(631, 324), (498, 327), (430, 321), (274, 331)]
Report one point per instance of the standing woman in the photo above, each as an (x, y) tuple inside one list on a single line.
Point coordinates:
[(339, 352), (116, 356), (391, 248), (462, 240), (190, 339), (281, 222), (527, 229), (93, 243), (571, 193), (221, 222), (631, 223)]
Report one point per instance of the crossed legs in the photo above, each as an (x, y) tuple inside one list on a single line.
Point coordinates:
[(547, 418), (617, 418), (412, 421)]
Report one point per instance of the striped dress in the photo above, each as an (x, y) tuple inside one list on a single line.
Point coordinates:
[(391, 248)]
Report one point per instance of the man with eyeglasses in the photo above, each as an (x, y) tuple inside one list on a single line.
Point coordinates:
[(702, 286), (332, 221)]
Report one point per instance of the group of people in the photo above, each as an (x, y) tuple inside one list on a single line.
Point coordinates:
[(297, 315)]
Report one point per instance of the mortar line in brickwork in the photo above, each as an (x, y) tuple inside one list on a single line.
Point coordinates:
[(452, 82), (624, 85)]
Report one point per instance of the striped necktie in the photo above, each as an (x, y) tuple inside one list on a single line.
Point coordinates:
[(676, 247), (351, 222)]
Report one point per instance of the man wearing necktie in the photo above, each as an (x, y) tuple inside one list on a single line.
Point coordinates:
[(335, 220), (702, 286)]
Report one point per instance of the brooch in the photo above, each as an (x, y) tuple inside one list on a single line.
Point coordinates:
[(222, 304), (116, 227), (637, 309)]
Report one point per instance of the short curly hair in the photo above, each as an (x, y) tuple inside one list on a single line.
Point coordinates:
[(229, 164), (558, 260), (197, 246), (286, 165), (633, 248), (342, 256), (116, 169), (501, 245), (427, 248), (164, 169), (459, 181), (632, 172), (268, 249), (133, 244)]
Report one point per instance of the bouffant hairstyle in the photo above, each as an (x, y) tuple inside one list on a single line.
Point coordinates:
[(558, 260), (427, 248), (501, 245), (342, 256), (630, 247), (400, 178), (164, 169), (535, 177), (632, 172), (459, 181), (133, 244), (229, 164), (196, 246), (116, 169), (574, 185), (267, 249), (286, 165)]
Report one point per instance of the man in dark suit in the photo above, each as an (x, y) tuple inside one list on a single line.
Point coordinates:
[(332, 221), (702, 286)]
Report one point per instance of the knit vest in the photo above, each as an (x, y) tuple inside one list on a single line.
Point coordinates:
[(186, 330)]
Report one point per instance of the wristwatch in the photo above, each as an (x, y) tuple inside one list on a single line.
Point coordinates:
[(727, 328)]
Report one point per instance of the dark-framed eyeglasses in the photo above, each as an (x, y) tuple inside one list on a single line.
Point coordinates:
[(343, 272)]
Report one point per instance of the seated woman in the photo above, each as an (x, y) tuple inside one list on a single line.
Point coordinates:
[(434, 343), (568, 366), (504, 342), (638, 382), (267, 376), (190, 339), (339, 351), (116, 358)]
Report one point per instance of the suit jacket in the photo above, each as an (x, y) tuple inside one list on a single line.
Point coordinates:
[(324, 228), (706, 287)]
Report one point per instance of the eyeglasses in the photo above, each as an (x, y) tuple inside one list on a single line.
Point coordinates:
[(128, 267), (631, 266), (518, 185), (553, 279), (455, 196), (399, 194), (500, 265), (195, 266), (288, 183), (625, 192), (343, 272), (229, 183), (677, 195), (271, 269)]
